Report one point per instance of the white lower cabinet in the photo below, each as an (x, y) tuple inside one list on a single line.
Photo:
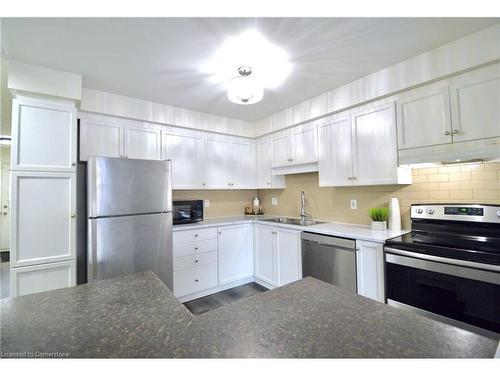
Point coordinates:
[(41, 278), (370, 270), (278, 255), (288, 256), (195, 279), (264, 253), (235, 253)]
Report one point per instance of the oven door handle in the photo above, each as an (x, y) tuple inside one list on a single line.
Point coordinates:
[(441, 265)]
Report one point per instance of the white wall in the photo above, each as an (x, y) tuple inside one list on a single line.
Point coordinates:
[(40, 80), (452, 58), (124, 106)]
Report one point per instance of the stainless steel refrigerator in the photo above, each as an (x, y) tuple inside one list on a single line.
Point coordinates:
[(129, 207)]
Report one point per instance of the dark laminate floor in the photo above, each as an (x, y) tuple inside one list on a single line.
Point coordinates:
[(205, 304)]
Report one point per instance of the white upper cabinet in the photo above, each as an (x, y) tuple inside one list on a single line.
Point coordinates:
[(235, 253), (265, 178), (44, 135), (335, 151), (475, 104), (186, 149), (358, 147), (304, 144), (230, 163), (242, 164), (142, 141), (295, 146), (423, 116), (375, 157), (217, 170), (100, 138), (282, 149), (43, 217)]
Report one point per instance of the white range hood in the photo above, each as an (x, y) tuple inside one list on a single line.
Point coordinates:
[(460, 152)]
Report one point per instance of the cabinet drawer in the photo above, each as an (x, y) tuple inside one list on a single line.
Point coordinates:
[(194, 235), (194, 247), (194, 260), (195, 279)]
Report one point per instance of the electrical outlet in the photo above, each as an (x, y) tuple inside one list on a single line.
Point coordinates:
[(207, 203), (354, 204), (274, 201)]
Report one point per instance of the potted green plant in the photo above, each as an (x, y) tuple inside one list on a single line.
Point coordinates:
[(379, 217)]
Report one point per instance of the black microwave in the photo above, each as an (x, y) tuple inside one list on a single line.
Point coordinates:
[(187, 211)]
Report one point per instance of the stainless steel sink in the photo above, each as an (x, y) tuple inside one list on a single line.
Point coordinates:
[(292, 221)]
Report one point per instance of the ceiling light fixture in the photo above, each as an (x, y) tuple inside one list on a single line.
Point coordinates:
[(248, 64), (245, 89)]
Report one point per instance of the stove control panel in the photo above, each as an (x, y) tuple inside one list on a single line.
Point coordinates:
[(469, 211), (485, 213)]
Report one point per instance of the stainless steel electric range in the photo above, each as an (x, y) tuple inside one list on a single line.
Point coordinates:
[(448, 266)]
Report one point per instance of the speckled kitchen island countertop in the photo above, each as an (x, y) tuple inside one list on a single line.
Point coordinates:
[(136, 316)]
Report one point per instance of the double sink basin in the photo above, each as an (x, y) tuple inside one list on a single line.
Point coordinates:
[(293, 221)]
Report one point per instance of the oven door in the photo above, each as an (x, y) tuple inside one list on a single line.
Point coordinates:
[(461, 293)]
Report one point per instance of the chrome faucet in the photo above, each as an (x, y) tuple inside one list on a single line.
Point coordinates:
[(303, 215)]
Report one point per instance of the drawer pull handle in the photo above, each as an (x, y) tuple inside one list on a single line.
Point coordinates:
[(196, 280)]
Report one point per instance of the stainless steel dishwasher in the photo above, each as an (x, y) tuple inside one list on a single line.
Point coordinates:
[(331, 259)]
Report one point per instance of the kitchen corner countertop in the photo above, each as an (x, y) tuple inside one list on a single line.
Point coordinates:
[(137, 316), (354, 231)]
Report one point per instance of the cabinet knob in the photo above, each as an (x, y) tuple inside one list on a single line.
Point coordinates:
[(349, 178), (269, 183), (195, 280), (73, 164), (73, 216), (447, 133), (196, 235), (196, 260), (196, 248), (455, 131), (204, 184)]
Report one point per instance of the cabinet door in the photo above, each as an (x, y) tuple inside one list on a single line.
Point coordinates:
[(99, 138), (288, 256), (187, 152), (235, 253), (263, 163), (424, 117), (305, 144), (142, 142), (217, 155), (335, 152), (265, 178), (475, 104), (282, 155), (265, 239), (43, 217), (43, 135), (370, 270), (41, 278), (241, 166), (375, 158)]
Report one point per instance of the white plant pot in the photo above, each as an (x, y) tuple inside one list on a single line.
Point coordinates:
[(379, 225)]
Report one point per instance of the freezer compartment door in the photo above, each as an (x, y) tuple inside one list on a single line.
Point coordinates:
[(128, 186), (119, 246)]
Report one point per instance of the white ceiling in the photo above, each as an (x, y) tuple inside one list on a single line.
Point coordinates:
[(158, 59)]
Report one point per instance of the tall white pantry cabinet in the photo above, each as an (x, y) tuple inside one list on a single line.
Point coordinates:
[(43, 192)]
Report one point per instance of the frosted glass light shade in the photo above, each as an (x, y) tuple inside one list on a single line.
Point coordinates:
[(245, 90)]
